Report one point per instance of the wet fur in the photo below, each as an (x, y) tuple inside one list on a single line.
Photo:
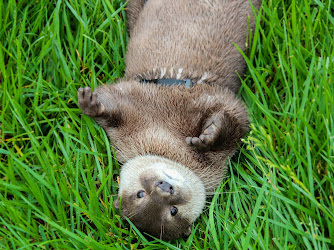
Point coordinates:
[(198, 127)]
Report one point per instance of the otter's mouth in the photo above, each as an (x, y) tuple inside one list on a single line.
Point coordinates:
[(170, 177), (173, 175)]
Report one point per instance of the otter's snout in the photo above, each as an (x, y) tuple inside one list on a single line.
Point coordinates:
[(165, 186)]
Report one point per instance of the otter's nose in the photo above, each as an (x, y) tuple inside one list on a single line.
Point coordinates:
[(165, 186)]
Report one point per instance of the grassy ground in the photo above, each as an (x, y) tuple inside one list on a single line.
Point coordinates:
[(58, 177)]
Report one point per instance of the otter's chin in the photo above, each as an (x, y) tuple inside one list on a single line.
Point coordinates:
[(172, 194)]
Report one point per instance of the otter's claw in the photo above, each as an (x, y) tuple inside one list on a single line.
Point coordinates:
[(88, 102), (195, 142), (208, 137)]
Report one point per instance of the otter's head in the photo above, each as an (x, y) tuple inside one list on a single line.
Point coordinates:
[(160, 197)]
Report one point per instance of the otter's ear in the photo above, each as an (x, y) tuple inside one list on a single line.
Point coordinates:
[(116, 202), (188, 230)]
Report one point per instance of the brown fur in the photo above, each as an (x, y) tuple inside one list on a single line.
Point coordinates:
[(146, 119), (195, 35), (198, 127)]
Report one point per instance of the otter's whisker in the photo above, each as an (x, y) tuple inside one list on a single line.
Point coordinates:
[(161, 231)]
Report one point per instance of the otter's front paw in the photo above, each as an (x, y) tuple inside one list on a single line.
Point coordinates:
[(209, 136), (88, 102)]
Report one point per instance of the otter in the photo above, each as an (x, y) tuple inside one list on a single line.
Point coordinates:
[(175, 118)]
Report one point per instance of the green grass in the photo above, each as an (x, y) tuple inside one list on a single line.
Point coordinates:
[(58, 176)]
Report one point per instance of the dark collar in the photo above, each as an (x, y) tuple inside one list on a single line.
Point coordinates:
[(169, 82)]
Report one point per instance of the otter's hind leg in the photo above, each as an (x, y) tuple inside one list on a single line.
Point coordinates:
[(133, 10)]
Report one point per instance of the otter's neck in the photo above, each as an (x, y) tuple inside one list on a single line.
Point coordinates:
[(210, 170)]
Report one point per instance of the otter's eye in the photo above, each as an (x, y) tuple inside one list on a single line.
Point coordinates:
[(173, 211), (141, 194)]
